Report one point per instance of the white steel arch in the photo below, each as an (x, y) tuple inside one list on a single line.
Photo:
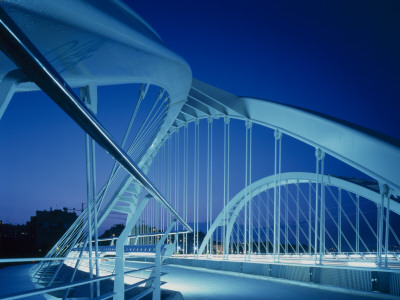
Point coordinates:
[(370, 152), (124, 49), (113, 45), (236, 204)]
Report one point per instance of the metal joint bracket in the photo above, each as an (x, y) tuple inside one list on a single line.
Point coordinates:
[(249, 124), (277, 134), (384, 190), (89, 97), (319, 154), (143, 91), (7, 88), (161, 93)]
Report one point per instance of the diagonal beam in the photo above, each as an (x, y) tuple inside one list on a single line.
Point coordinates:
[(16, 45)]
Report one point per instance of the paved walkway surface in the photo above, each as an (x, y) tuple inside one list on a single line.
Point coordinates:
[(197, 283), (16, 279)]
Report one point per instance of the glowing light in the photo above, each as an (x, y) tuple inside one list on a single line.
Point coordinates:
[(361, 264), (306, 262)]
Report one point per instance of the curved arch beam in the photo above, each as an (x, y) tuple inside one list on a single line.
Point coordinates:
[(237, 203), (375, 154), (110, 45), (123, 49)]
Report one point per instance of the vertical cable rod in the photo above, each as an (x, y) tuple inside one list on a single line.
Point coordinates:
[(339, 220), (246, 191), (297, 218), (267, 235), (228, 176), (250, 125), (387, 196), (309, 219), (286, 219), (89, 209), (318, 155), (198, 185), (322, 217), (277, 194), (185, 178), (95, 210), (224, 192), (357, 224), (211, 184), (209, 124)]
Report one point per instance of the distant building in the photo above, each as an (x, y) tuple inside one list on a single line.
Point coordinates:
[(15, 241), (114, 231), (48, 226), (192, 246)]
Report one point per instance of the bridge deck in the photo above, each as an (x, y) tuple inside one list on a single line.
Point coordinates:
[(16, 279), (200, 283), (332, 260), (196, 283)]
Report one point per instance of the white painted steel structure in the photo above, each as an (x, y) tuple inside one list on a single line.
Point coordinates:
[(166, 155)]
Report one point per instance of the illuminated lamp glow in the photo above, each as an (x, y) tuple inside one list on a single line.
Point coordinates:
[(306, 262), (361, 264)]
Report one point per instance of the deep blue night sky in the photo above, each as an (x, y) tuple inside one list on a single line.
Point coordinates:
[(340, 58), (336, 57)]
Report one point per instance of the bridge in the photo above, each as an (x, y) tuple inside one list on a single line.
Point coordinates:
[(203, 180)]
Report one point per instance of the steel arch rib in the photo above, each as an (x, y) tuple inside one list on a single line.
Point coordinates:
[(124, 49), (375, 154), (237, 203)]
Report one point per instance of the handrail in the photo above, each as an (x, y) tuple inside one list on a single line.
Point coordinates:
[(145, 235), (35, 259), (53, 289)]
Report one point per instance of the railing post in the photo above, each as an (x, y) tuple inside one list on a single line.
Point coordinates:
[(119, 286), (158, 261)]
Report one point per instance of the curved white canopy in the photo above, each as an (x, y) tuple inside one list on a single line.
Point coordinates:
[(111, 45)]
